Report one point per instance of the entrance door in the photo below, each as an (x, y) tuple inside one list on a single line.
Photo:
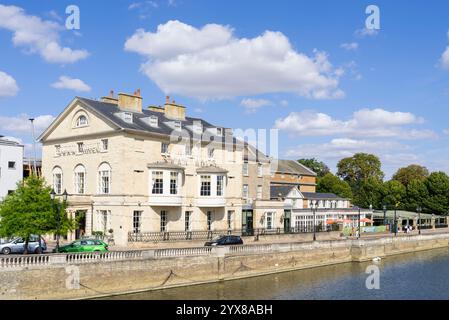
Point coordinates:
[(80, 217), (247, 223), (287, 221)]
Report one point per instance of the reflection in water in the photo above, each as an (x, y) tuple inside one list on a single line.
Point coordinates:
[(420, 275)]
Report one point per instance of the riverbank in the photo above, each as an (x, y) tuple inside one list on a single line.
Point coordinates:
[(133, 271)]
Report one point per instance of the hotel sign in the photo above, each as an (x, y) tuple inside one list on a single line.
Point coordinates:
[(66, 152)]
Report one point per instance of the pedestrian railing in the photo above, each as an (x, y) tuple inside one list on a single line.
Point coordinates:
[(31, 261), (24, 261), (167, 236), (182, 252)]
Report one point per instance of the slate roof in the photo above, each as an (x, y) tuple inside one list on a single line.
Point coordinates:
[(108, 110), (293, 167), (280, 191), (8, 142), (321, 196)]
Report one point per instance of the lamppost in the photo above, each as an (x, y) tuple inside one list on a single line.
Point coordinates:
[(58, 212), (395, 223), (359, 233), (314, 207), (384, 207), (418, 209)]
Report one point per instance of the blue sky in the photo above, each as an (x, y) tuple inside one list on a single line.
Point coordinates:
[(303, 67)]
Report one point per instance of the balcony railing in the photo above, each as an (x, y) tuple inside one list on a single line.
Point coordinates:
[(209, 235)]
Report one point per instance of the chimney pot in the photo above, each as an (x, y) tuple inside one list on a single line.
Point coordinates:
[(138, 92), (111, 93), (167, 99)]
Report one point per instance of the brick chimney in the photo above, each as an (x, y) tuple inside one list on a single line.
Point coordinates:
[(110, 98), (174, 111), (130, 102)]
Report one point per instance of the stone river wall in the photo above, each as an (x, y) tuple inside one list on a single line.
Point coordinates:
[(74, 276)]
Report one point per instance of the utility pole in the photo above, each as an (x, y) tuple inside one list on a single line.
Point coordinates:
[(34, 146)]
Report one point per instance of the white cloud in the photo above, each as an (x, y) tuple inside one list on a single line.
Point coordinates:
[(252, 105), (20, 124), (362, 33), (341, 148), (37, 35), (8, 85), (444, 60), (71, 84), (350, 46), (211, 63), (284, 103), (365, 122)]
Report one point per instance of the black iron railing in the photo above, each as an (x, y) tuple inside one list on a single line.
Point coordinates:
[(208, 235)]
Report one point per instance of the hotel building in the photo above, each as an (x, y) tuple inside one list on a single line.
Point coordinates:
[(130, 170)]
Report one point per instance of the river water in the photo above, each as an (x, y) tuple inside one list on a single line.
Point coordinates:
[(420, 275)]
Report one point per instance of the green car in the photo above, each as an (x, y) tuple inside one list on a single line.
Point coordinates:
[(85, 245)]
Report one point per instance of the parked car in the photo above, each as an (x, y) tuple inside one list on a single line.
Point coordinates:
[(17, 245), (85, 245), (224, 241)]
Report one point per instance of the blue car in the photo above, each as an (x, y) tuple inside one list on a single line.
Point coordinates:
[(17, 246)]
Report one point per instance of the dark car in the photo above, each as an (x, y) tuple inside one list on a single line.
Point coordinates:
[(224, 241)]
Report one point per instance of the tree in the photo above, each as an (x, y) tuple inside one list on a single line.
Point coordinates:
[(30, 211), (359, 168), (369, 193), (437, 185), (412, 172), (394, 194), (319, 167), (332, 184), (417, 194)]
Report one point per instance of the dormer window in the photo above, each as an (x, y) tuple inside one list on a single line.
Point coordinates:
[(197, 127), (177, 125), (219, 131), (128, 117), (82, 121), (153, 121), (210, 152)]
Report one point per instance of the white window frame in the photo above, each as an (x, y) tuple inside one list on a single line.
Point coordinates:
[(259, 192), (245, 192), (57, 187), (78, 123), (245, 168), (164, 147), (260, 170), (157, 175), (137, 221), (104, 178), (220, 185), (164, 224), (80, 179), (174, 176), (128, 117), (205, 185), (104, 144)]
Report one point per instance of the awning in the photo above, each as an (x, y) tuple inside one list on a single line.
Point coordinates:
[(366, 220)]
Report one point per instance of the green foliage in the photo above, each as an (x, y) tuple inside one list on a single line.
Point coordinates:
[(394, 194), (369, 192), (412, 172), (437, 185), (332, 184), (319, 167), (417, 194), (30, 210), (359, 169)]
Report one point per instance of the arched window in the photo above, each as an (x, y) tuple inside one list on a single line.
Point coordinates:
[(104, 178), (82, 121), (57, 180), (80, 179)]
